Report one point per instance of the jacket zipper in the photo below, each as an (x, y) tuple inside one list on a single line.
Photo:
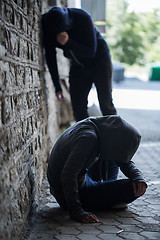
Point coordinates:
[(76, 60)]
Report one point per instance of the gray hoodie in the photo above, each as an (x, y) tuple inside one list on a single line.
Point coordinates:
[(90, 144)]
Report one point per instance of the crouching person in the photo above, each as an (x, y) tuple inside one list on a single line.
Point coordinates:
[(84, 163)]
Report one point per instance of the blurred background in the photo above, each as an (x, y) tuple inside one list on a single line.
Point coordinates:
[(132, 31)]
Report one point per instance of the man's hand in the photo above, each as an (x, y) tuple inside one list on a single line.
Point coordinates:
[(91, 218), (139, 188), (79, 215), (60, 96), (62, 38)]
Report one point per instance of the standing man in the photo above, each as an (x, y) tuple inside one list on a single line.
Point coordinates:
[(73, 31)]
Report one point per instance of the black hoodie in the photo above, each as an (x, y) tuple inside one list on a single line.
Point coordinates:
[(85, 42), (90, 144)]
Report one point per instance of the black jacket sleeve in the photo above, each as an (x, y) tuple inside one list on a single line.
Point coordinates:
[(50, 53), (80, 154), (49, 43), (130, 170)]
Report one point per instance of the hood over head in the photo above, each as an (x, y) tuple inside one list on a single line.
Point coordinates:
[(118, 139), (56, 20)]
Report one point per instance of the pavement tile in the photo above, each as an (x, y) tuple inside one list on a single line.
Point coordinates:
[(41, 234), (143, 212), (130, 228), (151, 235), (85, 236), (148, 220), (109, 236), (126, 213), (42, 237), (131, 220), (89, 229), (152, 227), (68, 230), (132, 236), (109, 221), (155, 207), (65, 237), (108, 229), (153, 201)]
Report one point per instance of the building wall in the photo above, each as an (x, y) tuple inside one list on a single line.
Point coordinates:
[(97, 10), (23, 114), (30, 115)]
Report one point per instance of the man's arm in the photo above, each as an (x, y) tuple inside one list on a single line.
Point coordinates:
[(50, 54), (134, 174), (131, 171), (81, 151), (48, 41)]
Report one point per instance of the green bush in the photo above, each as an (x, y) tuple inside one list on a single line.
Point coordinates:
[(134, 38)]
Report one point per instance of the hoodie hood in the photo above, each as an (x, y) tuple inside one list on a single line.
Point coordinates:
[(118, 139), (59, 18)]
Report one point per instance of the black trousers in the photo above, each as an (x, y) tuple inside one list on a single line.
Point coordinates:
[(81, 79)]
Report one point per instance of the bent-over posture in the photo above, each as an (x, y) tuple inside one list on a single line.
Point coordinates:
[(73, 31), (84, 162)]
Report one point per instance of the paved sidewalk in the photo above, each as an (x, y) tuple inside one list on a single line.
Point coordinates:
[(141, 221)]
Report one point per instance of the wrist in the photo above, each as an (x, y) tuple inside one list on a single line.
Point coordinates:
[(77, 213)]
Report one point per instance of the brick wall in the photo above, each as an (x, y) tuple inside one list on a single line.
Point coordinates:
[(23, 114)]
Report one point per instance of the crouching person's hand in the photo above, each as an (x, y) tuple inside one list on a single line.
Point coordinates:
[(139, 188), (79, 215)]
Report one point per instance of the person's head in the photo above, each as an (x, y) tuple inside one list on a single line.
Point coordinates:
[(56, 20), (118, 139)]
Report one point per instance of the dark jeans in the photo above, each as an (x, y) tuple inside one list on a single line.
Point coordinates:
[(81, 79), (110, 173), (103, 195)]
